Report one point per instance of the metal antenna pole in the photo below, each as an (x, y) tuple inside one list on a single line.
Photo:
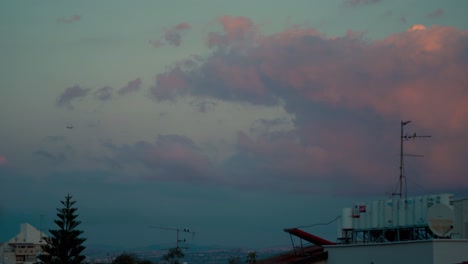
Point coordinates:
[(401, 156), (402, 138)]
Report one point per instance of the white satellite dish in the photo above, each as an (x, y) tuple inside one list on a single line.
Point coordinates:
[(440, 218)]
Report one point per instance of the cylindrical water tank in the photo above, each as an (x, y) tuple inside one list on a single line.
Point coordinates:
[(445, 198), (369, 215), (396, 204), (381, 223), (375, 214), (426, 200), (362, 216), (339, 228), (388, 213), (418, 207), (347, 218), (356, 216), (410, 212), (401, 212)]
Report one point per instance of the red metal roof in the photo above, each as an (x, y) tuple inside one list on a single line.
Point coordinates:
[(308, 237)]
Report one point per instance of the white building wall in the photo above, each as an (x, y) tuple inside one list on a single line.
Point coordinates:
[(461, 219), (450, 251), (441, 251), (389, 253)]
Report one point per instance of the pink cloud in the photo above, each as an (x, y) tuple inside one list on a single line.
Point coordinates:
[(436, 13), (131, 87), (419, 74), (70, 19), (3, 160), (237, 31), (170, 84)]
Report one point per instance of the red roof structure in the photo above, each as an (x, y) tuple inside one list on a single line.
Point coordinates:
[(302, 254)]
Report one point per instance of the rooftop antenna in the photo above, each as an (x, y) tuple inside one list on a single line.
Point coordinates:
[(177, 230), (404, 137)]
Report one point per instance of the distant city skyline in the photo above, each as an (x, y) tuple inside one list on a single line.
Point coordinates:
[(234, 119)]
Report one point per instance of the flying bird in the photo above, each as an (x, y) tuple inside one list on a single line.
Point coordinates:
[(69, 126)]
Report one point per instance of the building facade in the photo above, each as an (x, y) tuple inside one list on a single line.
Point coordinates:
[(24, 247)]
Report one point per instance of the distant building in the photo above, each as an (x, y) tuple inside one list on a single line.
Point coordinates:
[(24, 247)]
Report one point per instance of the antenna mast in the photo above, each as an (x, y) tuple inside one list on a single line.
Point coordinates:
[(177, 231), (404, 137)]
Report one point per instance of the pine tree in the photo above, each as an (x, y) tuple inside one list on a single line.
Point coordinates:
[(64, 246)]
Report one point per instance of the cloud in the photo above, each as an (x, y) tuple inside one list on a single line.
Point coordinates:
[(403, 19), (237, 32), (54, 139), (203, 106), (104, 93), (56, 159), (131, 87), (70, 19), (3, 160), (70, 94), (436, 13), (172, 36), (355, 3), (347, 95), (171, 158)]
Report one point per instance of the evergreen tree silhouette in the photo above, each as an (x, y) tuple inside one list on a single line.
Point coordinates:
[(64, 246)]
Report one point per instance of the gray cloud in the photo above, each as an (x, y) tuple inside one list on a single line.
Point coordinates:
[(104, 93), (70, 94), (131, 87)]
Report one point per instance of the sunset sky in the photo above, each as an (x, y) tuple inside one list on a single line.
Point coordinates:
[(234, 119)]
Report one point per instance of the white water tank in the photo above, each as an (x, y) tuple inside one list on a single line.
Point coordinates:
[(396, 205), (401, 212), (410, 211), (381, 223), (347, 218), (445, 198), (363, 215), (369, 215), (426, 199), (375, 214), (388, 213), (339, 228)]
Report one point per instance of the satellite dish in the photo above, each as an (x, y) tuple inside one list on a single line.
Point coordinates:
[(440, 218)]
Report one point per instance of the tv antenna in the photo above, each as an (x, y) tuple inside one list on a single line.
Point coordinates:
[(404, 137), (177, 230)]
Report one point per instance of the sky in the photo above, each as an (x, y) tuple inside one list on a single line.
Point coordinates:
[(234, 119)]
